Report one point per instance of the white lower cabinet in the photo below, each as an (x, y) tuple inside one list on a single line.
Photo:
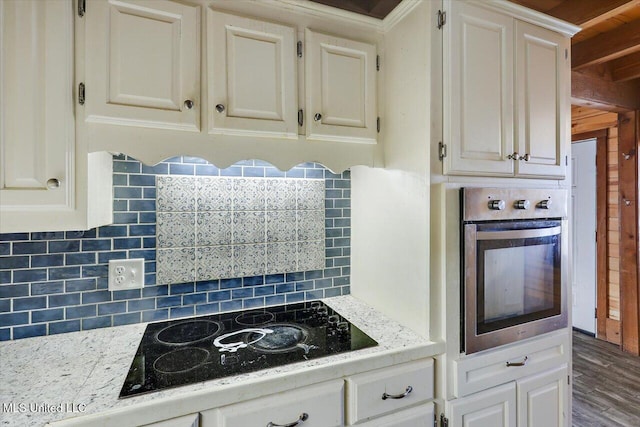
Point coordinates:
[(420, 416), (539, 400), (495, 407), (543, 400), (397, 396), (191, 420), (317, 406), (384, 391)]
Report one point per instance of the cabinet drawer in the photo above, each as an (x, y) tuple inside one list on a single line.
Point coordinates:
[(322, 404), (420, 416), (482, 371), (367, 392)]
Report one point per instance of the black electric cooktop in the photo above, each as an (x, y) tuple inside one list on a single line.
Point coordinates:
[(185, 351)]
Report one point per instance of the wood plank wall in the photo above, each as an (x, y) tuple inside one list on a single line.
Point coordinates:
[(584, 120)]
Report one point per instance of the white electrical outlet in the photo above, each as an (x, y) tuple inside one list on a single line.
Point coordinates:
[(126, 274)]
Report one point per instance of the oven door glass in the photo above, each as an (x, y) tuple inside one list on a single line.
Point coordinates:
[(519, 276)]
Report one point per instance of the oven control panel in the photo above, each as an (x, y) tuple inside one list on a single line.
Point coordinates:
[(492, 204)]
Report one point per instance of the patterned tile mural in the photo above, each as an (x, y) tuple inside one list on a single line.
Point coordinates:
[(244, 227)]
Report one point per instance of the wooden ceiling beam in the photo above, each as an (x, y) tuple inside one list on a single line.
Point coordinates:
[(594, 92), (619, 42), (587, 13), (626, 68)]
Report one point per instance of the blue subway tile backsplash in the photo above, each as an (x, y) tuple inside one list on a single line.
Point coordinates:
[(56, 282)]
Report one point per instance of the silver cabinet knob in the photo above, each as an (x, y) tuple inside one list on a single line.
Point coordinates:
[(514, 156), (526, 157), (188, 104), (219, 108), (53, 183), (521, 204), (497, 205), (317, 117), (544, 204)]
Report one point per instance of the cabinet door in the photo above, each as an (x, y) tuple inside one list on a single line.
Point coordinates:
[(37, 139), (543, 399), (143, 64), (191, 420), (315, 406), (478, 91), (542, 88), (495, 407), (420, 416), (340, 77), (251, 76)]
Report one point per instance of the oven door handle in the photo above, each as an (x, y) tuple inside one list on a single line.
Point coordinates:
[(518, 234)]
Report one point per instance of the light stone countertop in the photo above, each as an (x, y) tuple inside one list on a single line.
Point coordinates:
[(77, 377)]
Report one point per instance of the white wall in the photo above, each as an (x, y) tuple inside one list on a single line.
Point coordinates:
[(390, 206)]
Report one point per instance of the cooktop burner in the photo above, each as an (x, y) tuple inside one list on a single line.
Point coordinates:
[(180, 352)]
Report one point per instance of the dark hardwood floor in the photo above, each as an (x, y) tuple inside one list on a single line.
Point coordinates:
[(606, 384)]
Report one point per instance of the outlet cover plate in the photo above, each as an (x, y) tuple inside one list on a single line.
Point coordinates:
[(126, 274)]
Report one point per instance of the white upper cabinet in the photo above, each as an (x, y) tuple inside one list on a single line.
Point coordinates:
[(340, 89), (37, 129), (44, 180), (252, 76), (143, 64), (481, 91), (542, 105), (505, 95), (228, 81)]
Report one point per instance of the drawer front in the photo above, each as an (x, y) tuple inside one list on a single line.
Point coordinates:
[(420, 416), (322, 404), (482, 371), (368, 393)]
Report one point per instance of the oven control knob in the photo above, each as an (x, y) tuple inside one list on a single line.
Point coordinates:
[(544, 204), (521, 204), (497, 205)]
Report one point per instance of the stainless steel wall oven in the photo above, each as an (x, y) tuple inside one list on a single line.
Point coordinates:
[(514, 265)]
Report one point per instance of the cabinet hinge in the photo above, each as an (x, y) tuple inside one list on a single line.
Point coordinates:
[(82, 7), (300, 117), (378, 124), (377, 62), (299, 49), (442, 19), (444, 421), (442, 150), (566, 53), (81, 94), (595, 312), (566, 160), (568, 379)]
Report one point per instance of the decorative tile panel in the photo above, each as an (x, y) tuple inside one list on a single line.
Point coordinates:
[(175, 229), (281, 226), (175, 194), (176, 265), (214, 228), (249, 226), (214, 262)]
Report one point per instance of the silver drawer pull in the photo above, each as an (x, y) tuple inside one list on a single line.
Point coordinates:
[(524, 362), (304, 417), (386, 396)]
